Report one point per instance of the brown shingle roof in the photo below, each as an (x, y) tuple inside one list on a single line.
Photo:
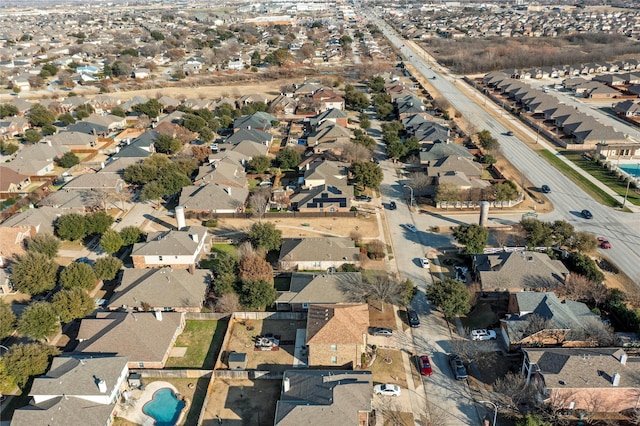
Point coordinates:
[(337, 324)]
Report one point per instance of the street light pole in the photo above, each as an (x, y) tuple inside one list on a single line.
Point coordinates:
[(410, 189), (495, 411)]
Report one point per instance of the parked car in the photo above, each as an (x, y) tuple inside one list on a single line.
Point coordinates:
[(604, 243), (424, 262), (363, 198), (483, 334), (459, 372), (545, 189), (424, 365), (381, 331), (393, 205), (387, 390), (412, 316), (586, 214), (411, 227), (509, 133)]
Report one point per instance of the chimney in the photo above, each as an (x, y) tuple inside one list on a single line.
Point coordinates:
[(195, 237), (102, 386), (102, 165), (158, 314), (615, 381), (181, 223), (286, 384), (622, 358), (229, 190), (307, 166)]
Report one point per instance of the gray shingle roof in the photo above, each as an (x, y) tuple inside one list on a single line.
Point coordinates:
[(324, 397), (310, 249), (63, 411), (171, 243), (319, 288), (164, 287)]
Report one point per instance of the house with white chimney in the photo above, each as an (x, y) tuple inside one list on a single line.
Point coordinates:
[(175, 248), (76, 390)]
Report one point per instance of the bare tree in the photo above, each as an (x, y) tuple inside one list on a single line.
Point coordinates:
[(579, 287), (245, 250), (259, 200), (512, 391), (502, 237), (228, 303), (355, 236), (382, 288), (593, 330)]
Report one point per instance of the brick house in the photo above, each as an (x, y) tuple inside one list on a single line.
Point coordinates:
[(146, 338), (317, 253), (177, 249), (594, 382), (336, 334), (310, 288)]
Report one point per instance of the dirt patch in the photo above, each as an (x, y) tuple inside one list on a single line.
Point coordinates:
[(382, 318), (367, 228), (244, 402), (243, 335), (388, 367)]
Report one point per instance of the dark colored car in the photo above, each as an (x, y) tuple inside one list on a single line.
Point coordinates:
[(412, 315), (393, 205), (545, 189), (363, 198), (459, 372), (586, 214), (424, 365), (509, 133)]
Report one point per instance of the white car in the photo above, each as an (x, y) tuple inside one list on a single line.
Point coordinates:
[(387, 390), (483, 334), (411, 227), (424, 262)]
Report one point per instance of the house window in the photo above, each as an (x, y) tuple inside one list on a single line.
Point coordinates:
[(305, 306), (141, 365), (334, 360), (332, 209), (334, 348), (160, 258)]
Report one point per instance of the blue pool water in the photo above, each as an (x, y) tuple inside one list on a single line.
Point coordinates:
[(632, 169), (164, 407)]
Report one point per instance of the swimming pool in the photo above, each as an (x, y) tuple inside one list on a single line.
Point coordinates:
[(632, 169), (164, 407)]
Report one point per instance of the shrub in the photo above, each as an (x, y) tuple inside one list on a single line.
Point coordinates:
[(211, 223)]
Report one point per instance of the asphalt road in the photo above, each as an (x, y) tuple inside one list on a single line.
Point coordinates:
[(622, 229)]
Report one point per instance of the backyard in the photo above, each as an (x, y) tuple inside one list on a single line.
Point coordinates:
[(247, 402), (202, 340)]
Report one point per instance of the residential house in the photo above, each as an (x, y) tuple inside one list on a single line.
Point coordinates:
[(37, 159), (141, 147), (283, 104), (41, 219), (252, 98), (312, 288), (325, 397), (75, 391), (82, 200), (253, 135), (328, 135), (12, 126), (336, 334), (12, 182), (226, 168), (627, 108), (101, 181), (98, 124), (437, 151), (325, 188), (453, 164), (75, 141), (258, 120), (540, 318), (317, 253), (164, 289), (593, 382), (145, 338), (12, 243), (213, 198), (327, 98), (430, 133), (334, 115), (177, 249), (518, 271)]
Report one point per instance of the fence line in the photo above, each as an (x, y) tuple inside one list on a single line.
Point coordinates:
[(247, 374), (173, 374), (203, 316)]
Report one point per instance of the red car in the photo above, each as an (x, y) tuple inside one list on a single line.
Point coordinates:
[(604, 243), (424, 365)]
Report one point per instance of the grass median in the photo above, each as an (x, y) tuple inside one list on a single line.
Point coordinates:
[(596, 193)]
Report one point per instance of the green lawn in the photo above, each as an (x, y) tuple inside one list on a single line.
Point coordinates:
[(595, 192), (603, 176), (229, 249), (203, 340)]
